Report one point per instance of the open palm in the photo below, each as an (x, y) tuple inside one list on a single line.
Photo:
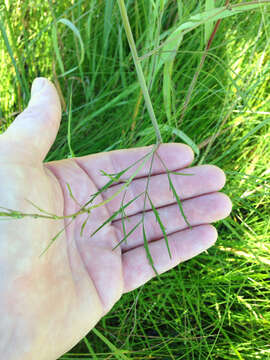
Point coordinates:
[(56, 298)]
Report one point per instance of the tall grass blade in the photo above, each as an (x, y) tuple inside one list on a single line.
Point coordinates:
[(139, 70), (107, 24), (90, 349), (186, 139), (116, 352), (69, 126), (170, 47), (167, 84), (76, 32), (20, 68), (10, 52), (56, 48)]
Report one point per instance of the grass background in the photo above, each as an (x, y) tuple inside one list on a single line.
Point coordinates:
[(217, 305)]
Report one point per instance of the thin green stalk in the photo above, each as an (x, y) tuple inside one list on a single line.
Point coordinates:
[(139, 70), (119, 354), (146, 246), (69, 125)]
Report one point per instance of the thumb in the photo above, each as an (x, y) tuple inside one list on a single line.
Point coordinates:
[(35, 129)]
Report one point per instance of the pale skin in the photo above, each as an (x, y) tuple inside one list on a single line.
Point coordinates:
[(49, 302)]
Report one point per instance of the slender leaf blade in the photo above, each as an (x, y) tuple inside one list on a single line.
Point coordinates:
[(54, 238), (162, 227), (69, 126), (118, 353), (56, 48), (113, 216), (167, 88), (178, 201), (83, 225), (178, 173), (71, 194), (148, 254), (128, 234), (208, 27)]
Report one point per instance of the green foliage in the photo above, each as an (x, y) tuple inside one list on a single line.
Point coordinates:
[(209, 25), (76, 32)]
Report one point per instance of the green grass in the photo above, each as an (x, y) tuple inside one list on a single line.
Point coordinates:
[(217, 305)]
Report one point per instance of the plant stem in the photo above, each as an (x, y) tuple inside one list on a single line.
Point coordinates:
[(139, 70)]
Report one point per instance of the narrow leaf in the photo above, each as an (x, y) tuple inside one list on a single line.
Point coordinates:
[(19, 74), (107, 25), (117, 353), (90, 349), (54, 238), (208, 27), (71, 194), (149, 257), (83, 225), (223, 12), (56, 48), (178, 173), (11, 213), (41, 210), (69, 126), (178, 201), (161, 225), (105, 187), (139, 70), (123, 217), (113, 216), (171, 46), (76, 32), (110, 176), (128, 234), (118, 176), (167, 88), (183, 137), (123, 214), (187, 140)]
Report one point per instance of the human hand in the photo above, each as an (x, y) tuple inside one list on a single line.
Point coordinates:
[(49, 302)]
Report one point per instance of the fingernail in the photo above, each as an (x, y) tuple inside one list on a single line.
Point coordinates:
[(38, 85)]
